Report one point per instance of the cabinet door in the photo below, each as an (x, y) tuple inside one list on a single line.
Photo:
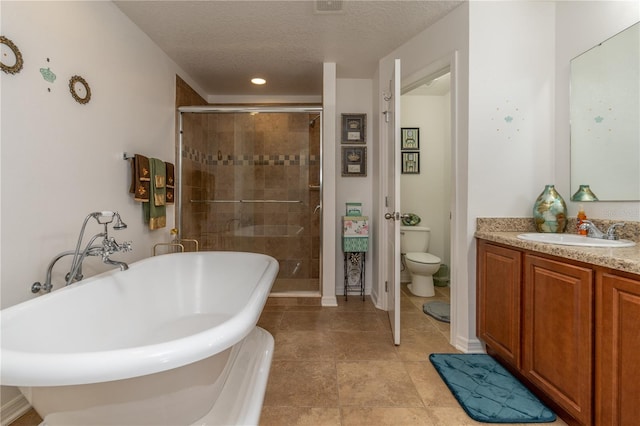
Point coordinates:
[(617, 350), (557, 331), (498, 300)]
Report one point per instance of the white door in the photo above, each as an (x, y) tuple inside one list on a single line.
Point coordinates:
[(392, 202)]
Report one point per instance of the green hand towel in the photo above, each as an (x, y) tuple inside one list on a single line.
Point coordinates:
[(155, 211)]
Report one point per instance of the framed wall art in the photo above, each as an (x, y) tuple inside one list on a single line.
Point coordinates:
[(410, 138), (354, 128), (410, 162), (354, 161)]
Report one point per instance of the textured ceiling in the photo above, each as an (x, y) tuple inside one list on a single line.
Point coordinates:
[(222, 44)]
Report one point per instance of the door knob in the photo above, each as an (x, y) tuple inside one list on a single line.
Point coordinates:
[(392, 216)]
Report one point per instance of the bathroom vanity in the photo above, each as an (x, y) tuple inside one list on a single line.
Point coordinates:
[(563, 319)]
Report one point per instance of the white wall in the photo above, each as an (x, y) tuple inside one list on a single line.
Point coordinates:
[(62, 160), (511, 78), (353, 97), (428, 193), (580, 25)]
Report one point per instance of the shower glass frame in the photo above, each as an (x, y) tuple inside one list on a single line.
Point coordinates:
[(253, 110)]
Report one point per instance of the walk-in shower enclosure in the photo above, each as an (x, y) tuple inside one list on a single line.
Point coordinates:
[(250, 180)]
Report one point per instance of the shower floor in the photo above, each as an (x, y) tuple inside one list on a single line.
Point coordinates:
[(284, 285)]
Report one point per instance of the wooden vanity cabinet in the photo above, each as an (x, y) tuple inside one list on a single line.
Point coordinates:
[(536, 314), (557, 354), (617, 349), (498, 300), (569, 329)]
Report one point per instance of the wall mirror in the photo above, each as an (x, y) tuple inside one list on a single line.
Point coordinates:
[(605, 123)]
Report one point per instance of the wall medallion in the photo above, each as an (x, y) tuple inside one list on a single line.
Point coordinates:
[(15, 52), (80, 89)]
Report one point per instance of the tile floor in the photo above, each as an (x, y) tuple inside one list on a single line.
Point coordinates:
[(339, 366)]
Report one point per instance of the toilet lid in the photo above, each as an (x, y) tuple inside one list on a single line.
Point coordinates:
[(422, 258)]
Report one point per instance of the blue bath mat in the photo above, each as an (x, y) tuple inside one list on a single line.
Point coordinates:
[(487, 392), (438, 310)]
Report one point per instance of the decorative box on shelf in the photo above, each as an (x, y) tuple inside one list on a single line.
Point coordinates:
[(355, 234), (354, 209)]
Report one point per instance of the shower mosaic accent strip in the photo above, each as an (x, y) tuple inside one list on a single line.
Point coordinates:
[(249, 160)]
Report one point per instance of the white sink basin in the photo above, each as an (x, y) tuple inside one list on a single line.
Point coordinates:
[(574, 240)]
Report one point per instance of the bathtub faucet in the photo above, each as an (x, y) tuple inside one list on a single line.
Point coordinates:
[(104, 250), (109, 245)]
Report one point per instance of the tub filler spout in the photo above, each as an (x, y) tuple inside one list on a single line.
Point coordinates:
[(106, 249)]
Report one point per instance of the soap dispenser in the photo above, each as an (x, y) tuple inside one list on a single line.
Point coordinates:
[(581, 217)]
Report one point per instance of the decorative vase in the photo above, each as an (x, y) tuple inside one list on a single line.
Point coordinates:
[(550, 211)]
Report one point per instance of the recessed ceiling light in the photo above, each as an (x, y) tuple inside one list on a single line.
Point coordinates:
[(258, 81)]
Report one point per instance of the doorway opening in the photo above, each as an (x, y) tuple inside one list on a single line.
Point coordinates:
[(428, 192)]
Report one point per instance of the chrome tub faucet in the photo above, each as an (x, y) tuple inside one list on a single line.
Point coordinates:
[(104, 250)]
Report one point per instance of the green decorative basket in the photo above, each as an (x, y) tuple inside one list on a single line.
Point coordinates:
[(410, 219)]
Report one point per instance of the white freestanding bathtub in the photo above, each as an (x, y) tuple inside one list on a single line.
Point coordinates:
[(171, 341)]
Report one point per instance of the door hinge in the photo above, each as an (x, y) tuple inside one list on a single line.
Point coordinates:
[(386, 286)]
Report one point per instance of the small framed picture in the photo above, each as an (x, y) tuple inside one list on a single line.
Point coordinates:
[(354, 161), (354, 128), (411, 162), (410, 138)]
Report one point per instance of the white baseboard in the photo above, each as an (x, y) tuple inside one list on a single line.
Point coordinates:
[(330, 301), (14, 409), (469, 346)]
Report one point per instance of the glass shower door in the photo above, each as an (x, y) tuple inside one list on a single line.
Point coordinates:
[(251, 182)]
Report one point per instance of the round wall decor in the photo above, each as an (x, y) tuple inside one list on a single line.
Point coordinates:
[(17, 57), (80, 89)]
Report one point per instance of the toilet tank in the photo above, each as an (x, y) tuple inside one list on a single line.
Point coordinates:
[(414, 239)]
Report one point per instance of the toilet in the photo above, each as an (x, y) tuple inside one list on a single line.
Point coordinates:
[(414, 243)]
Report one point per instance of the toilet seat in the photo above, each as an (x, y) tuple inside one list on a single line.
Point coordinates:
[(426, 258)]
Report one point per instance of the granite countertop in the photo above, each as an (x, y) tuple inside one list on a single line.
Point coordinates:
[(506, 230)]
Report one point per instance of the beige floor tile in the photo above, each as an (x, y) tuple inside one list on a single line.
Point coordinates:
[(30, 418), (448, 416), (417, 321), (302, 384), (376, 384), (304, 346), (366, 345), (301, 321), (270, 321), (357, 321), (432, 390), (300, 416), (385, 417), (418, 345)]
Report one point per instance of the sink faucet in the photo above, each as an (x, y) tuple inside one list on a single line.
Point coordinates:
[(611, 232), (106, 249), (594, 232)]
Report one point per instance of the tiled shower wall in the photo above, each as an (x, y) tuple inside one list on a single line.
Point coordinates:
[(228, 157)]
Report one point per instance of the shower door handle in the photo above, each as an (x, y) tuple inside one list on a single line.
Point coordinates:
[(316, 209)]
